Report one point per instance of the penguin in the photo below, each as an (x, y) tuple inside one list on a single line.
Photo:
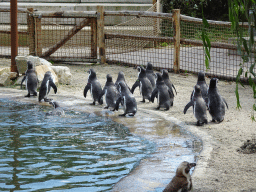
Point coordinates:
[(144, 85), (120, 77), (31, 80), (167, 81), (163, 94), (203, 86), (216, 103), (151, 75), (58, 111), (110, 91), (127, 99), (199, 107), (94, 86), (46, 85), (182, 181)]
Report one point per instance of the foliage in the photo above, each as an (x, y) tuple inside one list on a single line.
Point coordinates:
[(214, 10)]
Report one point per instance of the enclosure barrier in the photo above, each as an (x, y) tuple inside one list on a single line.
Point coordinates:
[(167, 40)]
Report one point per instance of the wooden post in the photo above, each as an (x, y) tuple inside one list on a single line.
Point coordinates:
[(31, 31), (176, 36), (14, 35), (101, 34), (38, 36), (94, 38)]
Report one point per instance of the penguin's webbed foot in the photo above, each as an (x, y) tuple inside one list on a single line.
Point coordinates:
[(106, 107), (28, 95), (167, 108), (47, 100), (35, 94), (122, 115), (93, 103), (198, 123), (143, 101)]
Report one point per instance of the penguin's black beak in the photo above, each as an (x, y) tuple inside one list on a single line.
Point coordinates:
[(192, 165)]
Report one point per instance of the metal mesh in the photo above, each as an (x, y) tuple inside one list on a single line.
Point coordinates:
[(137, 43), (5, 34)]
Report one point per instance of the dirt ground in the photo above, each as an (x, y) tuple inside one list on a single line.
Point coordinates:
[(220, 166)]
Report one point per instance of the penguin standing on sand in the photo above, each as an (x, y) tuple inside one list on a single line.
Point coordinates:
[(144, 84), (46, 85), (151, 75), (182, 181), (199, 106), (162, 93), (58, 111), (127, 99), (216, 103), (168, 82), (31, 80), (120, 77), (203, 86), (94, 86), (111, 93)]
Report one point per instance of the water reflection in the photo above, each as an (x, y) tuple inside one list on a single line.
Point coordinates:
[(77, 152)]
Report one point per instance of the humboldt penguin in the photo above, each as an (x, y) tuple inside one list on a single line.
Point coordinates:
[(182, 181), (199, 106), (58, 111), (151, 75), (31, 80), (127, 99), (216, 103), (203, 86), (162, 93), (110, 91), (144, 84), (168, 82), (46, 85), (120, 77), (94, 86)]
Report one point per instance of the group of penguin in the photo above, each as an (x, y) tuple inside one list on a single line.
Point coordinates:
[(158, 86)]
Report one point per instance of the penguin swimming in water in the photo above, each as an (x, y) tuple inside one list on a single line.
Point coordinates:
[(120, 77), (203, 86), (216, 103), (127, 99), (94, 86), (167, 81), (199, 106), (162, 93), (151, 75), (144, 84), (111, 93), (182, 181), (58, 111), (46, 85), (31, 80)]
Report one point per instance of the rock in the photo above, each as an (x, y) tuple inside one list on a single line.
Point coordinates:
[(45, 62), (5, 78), (5, 70), (34, 59), (63, 74), (21, 62), (41, 70)]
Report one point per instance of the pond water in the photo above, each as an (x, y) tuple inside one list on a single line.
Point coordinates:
[(74, 152)]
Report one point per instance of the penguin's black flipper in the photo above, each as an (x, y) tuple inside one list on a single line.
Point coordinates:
[(225, 102), (171, 94), (22, 81), (51, 83), (136, 84), (101, 94), (87, 87), (153, 95), (174, 89), (190, 104), (118, 101)]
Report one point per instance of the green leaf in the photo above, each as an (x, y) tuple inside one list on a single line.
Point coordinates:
[(245, 46), (238, 106)]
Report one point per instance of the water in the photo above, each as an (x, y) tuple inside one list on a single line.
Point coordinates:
[(75, 152)]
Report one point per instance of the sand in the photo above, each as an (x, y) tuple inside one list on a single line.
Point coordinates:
[(220, 167)]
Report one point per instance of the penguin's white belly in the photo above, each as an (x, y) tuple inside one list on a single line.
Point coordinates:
[(140, 87), (124, 103)]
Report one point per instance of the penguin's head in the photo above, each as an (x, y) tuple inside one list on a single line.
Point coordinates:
[(149, 66), (109, 78), (184, 168), (120, 75), (201, 76), (54, 104), (142, 71), (159, 77), (165, 74), (30, 65), (213, 83), (197, 89), (92, 74)]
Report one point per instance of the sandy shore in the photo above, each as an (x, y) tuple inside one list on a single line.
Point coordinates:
[(219, 167)]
